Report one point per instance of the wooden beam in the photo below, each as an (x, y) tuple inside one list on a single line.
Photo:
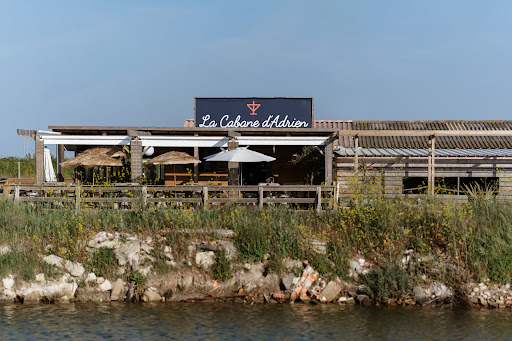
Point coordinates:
[(328, 162), (356, 154), (426, 133), (39, 160), (433, 165), (233, 167)]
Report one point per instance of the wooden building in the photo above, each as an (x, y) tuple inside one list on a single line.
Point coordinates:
[(446, 156)]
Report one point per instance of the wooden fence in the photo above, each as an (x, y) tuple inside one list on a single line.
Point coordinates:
[(131, 196)]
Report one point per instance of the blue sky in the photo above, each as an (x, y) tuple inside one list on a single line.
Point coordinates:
[(141, 63)]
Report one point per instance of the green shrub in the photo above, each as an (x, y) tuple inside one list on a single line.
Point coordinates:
[(138, 279), (390, 281), (103, 262), (222, 267)]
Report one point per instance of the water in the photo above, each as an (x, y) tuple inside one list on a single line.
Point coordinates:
[(216, 321)]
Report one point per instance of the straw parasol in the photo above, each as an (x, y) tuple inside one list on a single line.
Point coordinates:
[(174, 158), (96, 157)]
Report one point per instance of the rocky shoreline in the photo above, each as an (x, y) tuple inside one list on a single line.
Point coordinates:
[(190, 279)]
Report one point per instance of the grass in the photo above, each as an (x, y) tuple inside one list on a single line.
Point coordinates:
[(475, 237)]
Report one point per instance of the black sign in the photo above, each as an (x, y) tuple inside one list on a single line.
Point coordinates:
[(254, 112)]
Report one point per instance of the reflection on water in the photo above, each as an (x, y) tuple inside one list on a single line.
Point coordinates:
[(234, 322)]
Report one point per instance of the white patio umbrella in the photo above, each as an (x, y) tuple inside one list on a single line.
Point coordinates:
[(241, 154), (49, 172)]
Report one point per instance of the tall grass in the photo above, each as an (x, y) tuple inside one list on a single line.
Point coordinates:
[(475, 237)]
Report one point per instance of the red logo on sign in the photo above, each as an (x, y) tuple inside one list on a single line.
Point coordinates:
[(253, 106)]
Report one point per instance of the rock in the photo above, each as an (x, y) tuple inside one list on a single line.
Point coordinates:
[(185, 282), (4, 249), (287, 281), (342, 299), (363, 299), (47, 292), (151, 295), (85, 294), (146, 248), (128, 252), (116, 290), (8, 282), (90, 277), (54, 260), (74, 269), (100, 280), (305, 299), (106, 285), (350, 300), (229, 248), (440, 290), (205, 259), (104, 239), (40, 277), (482, 301), (331, 291)]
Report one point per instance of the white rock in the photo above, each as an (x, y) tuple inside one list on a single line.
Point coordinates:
[(8, 282), (104, 239), (74, 269), (128, 252), (54, 260), (4, 249), (106, 285), (342, 299), (167, 249), (361, 261), (146, 248), (151, 295), (205, 259), (116, 290), (90, 277), (10, 294), (40, 277), (100, 280)]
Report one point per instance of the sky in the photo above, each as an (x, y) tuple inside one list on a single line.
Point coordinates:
[(141, 63)]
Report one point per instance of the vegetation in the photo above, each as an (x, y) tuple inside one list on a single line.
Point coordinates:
[(222, 268), (9, 167), (475, 239), (102, 262)]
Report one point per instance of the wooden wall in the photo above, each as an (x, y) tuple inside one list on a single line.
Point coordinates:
[(393, 170)]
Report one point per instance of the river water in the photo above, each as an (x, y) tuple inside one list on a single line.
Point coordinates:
[(223, 321)]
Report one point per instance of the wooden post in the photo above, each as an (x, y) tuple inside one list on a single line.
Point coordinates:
[(16, 192), (433, 165), (60, 158), (429, 170), (205, 196), (260, 196), (136, 159), (145, 195), (77, 198), (233, 167), (196, 166), (328, 162), (39, 160), (356, 154), (319, 199)]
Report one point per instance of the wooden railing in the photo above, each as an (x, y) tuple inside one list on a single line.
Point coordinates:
[(130, 196)]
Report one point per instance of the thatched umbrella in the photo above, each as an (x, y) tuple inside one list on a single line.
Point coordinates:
[(174, 158), (100, 156)]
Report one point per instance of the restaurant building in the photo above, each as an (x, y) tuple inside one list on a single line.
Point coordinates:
[(405, 154)]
